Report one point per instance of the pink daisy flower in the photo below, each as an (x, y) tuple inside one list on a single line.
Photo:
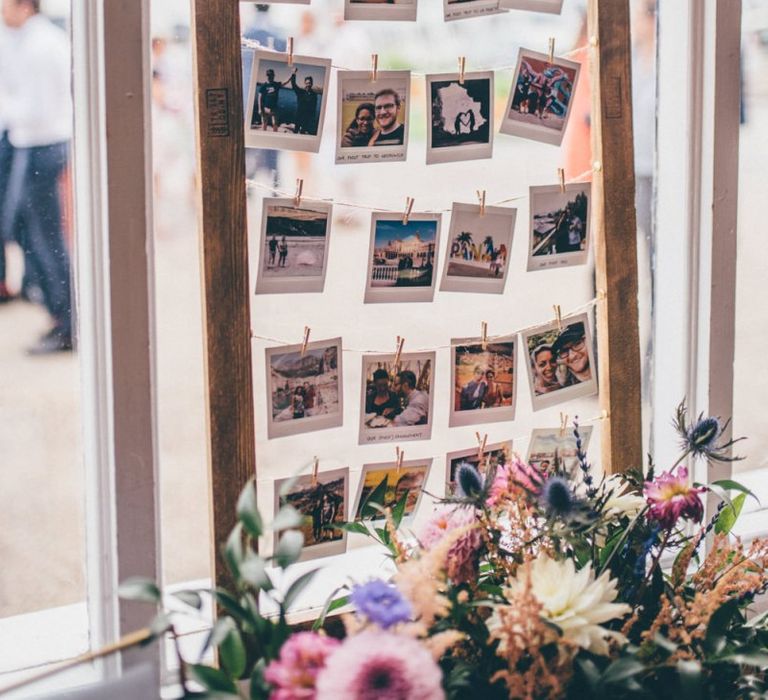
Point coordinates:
[(380, 666), (294, 673), (461, 563), (670, 498)]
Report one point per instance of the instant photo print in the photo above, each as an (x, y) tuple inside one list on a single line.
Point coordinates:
[(494, 455), (466, 9), (560, 361), (391, 483), (293, 248), (286, 104), (403, 10), (549, 446), (553, 7)]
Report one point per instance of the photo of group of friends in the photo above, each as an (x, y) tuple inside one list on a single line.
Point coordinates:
[(555, 449), (287, 103)]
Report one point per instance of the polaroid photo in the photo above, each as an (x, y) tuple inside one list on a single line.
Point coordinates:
[(404, 10), (304, 392), (373, 116), (293, 253), (323, 502), (559, 226), (540, 100), (549, 447), (459, 117), (483, 381), (553, 7), (465, 9), (561, 363), (494, 455), (478, 250), (280, 2), (402, 258), (286, 104), (397, 400), (411, 478)]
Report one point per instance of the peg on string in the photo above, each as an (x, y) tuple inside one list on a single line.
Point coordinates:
[(551, 55), (289, 50), (481, 200), (563, 423), (601, 295), (597, 166), (604, 414), (408, 209), (305, 342), (400, 454), (374, 67), (561, 179), (462, 67), (399, 351), (481, 443), (315, 469), (558, 317), (299, 190), (484, 335)]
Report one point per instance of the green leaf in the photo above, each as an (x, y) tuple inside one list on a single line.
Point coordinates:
[(358, 528), (232, 653), (233, 550), (691, 679), (732, 485), (289, 548), (213, 679), (248, 511), (230, 604), (191, 598), (140, 588), (295, 589), (663, 643), (254, 572), (717, 629), (399, 510), (221, 628), (589, 670), (622, 669), (375, 498), (728, 516), (260, 689), (160, 624), (747, 657), (287, 518), (331, 604)]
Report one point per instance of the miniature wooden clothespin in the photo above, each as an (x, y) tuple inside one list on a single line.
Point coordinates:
[(289, 50), (561, 178), (551, 56), (374, 67), (400, 341), (563, 423), (408, 209), (481, 199), (481, 443), (400, 454), (484, 335), (315, 469), (558, 317), (604, 414), (462, 67), (601, 295), (305, 342), (299, 189)]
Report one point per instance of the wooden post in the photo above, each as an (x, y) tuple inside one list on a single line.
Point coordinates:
[(615, 234), (222, 211)]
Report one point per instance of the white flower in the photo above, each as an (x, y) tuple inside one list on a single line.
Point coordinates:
[(621, 499), (574, 600)]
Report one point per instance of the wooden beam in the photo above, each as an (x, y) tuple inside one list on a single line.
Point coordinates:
[(222, 215), (615, 234)]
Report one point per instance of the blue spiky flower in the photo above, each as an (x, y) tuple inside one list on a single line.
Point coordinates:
[(556, 498), (705, 436), (468, 480)]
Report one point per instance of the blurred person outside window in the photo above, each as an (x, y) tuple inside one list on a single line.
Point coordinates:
[(36, 111)]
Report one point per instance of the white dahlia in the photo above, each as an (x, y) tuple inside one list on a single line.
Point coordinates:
[(621, 499), (573, 600)]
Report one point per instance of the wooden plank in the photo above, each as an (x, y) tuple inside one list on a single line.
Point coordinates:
[(615, 234), (222, 211)]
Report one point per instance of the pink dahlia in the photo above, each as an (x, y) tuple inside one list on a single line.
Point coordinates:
[(670, 498), (380, 666), (461, 562), (294, 673)]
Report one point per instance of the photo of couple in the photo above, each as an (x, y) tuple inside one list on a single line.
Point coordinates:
[(373, 116), (561, 362)]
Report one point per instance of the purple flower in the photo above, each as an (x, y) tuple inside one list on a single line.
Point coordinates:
[(294, 673), (381, 603), (670, 498)]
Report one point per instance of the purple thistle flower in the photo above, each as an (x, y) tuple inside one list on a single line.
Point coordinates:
[(381, 603), (468, 480)]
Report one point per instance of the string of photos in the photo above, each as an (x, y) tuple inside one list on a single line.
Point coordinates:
[(285, 109)]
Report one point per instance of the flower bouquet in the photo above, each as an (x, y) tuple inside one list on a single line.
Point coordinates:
[(524, 584)]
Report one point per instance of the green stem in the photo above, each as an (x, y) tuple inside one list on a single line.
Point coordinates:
[(680, 459), (654, 564)]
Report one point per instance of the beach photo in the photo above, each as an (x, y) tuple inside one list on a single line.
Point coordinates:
[(559, 226), (397, 399), (459, 117), (494, 455), (402, 258), (561, 363), (293, 253), (304, 392), (286, 104), (479, 245), (391, 10), (373, 116), (540, 99), (483, 380), (393, 484), (551, 449), (324, 502)]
